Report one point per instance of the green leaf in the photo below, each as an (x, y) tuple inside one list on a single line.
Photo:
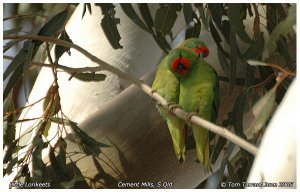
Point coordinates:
[(88, 144), (8, 45), (53, 25), (77, 178), (255, 49), (10, 165), (145, 12), (10, 150), (28, 48), (55, 107), (60, 50), (217, 39), (199, 6), (46, 129), (227, 154), (238, 113), (9, 131), (61, 157), (262, 111), (224, 63), (233, 177), (162, 42), (86, 5), (233, 61), (39, 170), (12, 31), (281, 29), (109, 24), (216, 10), (15, 63), (284, 51), (87, 77), (193, 31), (165, 18), (234, 15), (130, 12), (188, 12)]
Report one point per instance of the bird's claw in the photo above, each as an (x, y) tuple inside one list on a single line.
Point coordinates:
[(171, 106), (189, 117)]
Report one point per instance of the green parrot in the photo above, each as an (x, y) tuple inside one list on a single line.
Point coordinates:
[(167, 85), (198, 93)]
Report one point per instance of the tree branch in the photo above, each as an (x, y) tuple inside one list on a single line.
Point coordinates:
[(177, 111)]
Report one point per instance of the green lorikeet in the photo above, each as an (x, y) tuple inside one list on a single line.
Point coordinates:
[(198, 93), (167, 85)]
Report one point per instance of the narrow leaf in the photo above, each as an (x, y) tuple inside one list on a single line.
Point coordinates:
[(165, 17), (130, 12), (145, 12), (53, 25), (12, 31), (261, 110), (10, 44), (87, 77), (60, 50), (233, 61), (86, 5), (216, 10), (281, 29), (11, 149), (235, 20), (188, 12), (202, 15), (28, 48), (109, 24)]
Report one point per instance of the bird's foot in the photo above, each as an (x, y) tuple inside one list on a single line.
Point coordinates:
[(171, 106), (151, 95), (189, 117)]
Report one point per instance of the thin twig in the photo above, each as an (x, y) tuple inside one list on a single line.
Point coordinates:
[(177, 111)]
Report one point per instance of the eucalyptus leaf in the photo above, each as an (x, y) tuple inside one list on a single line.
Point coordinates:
[(130, 12), (28, 48), (238, 112), (87, 77), (262, 111), (165, 17), (109, 24), (10, 150), (53, 25), (77, 178), (233, 177), (146, 15), (202, 15), (216, 10), (86, 6), (10, 44), (234, 10), (12, 31), (233, 61), (281, 29), (9, 131), (88, 144), (60, 50)]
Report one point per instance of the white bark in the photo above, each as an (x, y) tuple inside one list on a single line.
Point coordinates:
[(276, 159)]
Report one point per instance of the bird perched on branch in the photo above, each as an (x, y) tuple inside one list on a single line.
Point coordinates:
[(185, 79)]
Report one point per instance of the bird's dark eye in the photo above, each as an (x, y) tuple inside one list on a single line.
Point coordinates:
[(181, 67)]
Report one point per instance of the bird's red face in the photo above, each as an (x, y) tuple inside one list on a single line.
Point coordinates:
[(202, 51), (181, 65)]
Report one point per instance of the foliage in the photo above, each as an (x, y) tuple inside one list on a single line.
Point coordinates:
[(225, 22)]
